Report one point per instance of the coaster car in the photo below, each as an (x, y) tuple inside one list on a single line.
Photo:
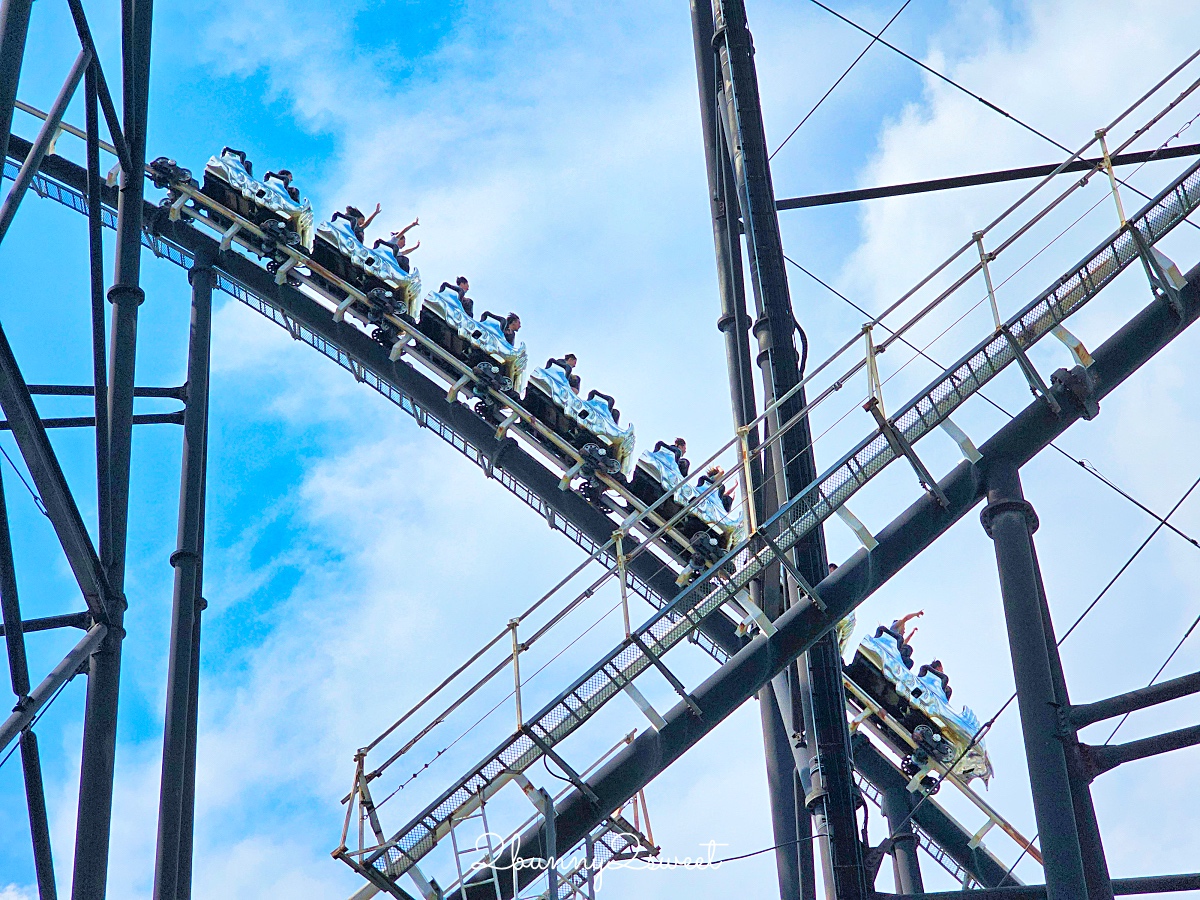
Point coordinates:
[(266, 203), (376, 272), (657, 472), (918, 701), (582, 423), (481, 345)]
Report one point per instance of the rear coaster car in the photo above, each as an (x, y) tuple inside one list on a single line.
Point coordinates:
[(919, 703), (582, 423), (266, 203), (479, 344)]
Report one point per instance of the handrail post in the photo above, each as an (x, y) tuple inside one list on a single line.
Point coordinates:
[(516, 657)]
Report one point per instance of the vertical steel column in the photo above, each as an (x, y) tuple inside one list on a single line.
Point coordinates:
[(14, 28), (93, 824), (898, 804), (186, 560), (834, 793), (781, 770), (1010, 522), (96, 262), (793, 857), (1091, 846), (18, 667)]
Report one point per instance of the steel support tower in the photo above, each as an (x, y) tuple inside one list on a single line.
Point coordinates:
[(100, 568), (808, 705)]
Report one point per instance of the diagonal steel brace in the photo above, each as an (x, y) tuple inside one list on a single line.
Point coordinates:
[(901, 447), (1036, 384), (574, 777), (669, 675), (793, 571), (1154, 271)]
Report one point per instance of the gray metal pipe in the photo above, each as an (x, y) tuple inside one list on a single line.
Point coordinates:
[(1089, 713), (1010, 521), (187, 562), (93, 826), (898, 803), (1104, 758), (59, 675)]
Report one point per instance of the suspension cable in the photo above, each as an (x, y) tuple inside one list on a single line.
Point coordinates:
[(849, 69)]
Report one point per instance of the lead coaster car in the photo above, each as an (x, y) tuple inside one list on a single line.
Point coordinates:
[(920, 704), (377, 273), (266, 203), (582, 423), (481, 345)]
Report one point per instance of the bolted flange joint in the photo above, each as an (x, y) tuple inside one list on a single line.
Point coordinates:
[(1003, 506), (199, 268), (120, 294), (1080, 385), (181, 556)]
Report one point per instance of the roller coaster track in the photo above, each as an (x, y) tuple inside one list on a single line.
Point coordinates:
[(646, 646), (689, 615), (588, 528)]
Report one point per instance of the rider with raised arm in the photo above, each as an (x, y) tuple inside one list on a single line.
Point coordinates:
[(359, 221), (399, 247), (714, 476)]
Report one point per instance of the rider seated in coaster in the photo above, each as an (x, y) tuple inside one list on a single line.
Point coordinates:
[(285, 176), (358, 221), (509, 324), (935, 669), (567, 364), (240, 154), (677, 447), (612, 404), (397, 243), (714, 476), (460, 287)]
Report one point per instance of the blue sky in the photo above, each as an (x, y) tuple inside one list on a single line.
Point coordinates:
[(553, 155)]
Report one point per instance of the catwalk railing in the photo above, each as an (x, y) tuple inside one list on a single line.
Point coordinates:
[(645, 647)]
